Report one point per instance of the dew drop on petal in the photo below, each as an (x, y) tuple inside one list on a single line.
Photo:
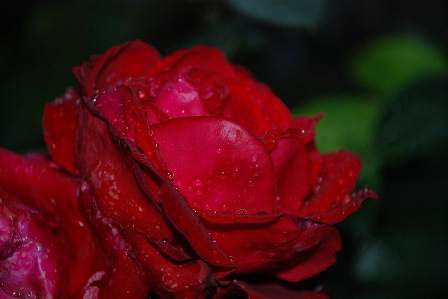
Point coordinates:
[(177, 183), (218, 150), (197, 182), (250, 183), (224, 208), (198, 191), (242, 212), (222, 175), (183, 112)]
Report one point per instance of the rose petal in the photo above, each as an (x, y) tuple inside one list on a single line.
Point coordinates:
[(132, 59), (60, 121), (108, 168), (229, 218), (176, 96), (202, 57), (330, 200), (292, 173), (217, 164), (170, 279), (33, 263), (264, 290), (255, 107), (186, 222), (289, 242), (44, 188), (121, 275), (305, 126)]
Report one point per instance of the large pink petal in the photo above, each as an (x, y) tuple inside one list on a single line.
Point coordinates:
[(33, 262), (132, 59), (331, 200), (60, 122), (44, 188), (279, 246), (217, 164)]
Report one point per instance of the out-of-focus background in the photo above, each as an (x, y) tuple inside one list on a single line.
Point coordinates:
[(378, 68)]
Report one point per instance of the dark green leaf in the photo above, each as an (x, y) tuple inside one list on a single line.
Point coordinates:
[(290, 13)]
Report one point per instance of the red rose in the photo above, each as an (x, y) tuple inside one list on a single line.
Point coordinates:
[(191, 175)]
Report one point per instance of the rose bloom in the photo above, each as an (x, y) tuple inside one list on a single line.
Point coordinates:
[(175, 177)]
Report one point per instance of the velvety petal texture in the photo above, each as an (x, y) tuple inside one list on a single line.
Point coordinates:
[(175, 177)]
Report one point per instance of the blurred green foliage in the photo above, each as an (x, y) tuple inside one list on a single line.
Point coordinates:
[(377, 68)]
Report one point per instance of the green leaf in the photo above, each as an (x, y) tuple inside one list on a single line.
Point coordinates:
[(288, 13), (389, 64), (415, 123)]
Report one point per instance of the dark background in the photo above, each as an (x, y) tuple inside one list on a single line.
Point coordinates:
[(378, 68)]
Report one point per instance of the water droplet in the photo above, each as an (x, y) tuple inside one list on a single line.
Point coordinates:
[(198, 191), (214, 252), (346, 199), (197, 182), (177, 183), (218, 150), (231, 258), (222, 175), (169, 174), (224, 208), (183, 112), (250, 183), (242, 212)]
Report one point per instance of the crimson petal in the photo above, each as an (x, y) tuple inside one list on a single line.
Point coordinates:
[(217, 164), (132, 59), (279, 246), (331, 200), (120, 276), (255, 107), (170, 279), (270, 290), (108, 168), (293, 174), (60, 121)]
